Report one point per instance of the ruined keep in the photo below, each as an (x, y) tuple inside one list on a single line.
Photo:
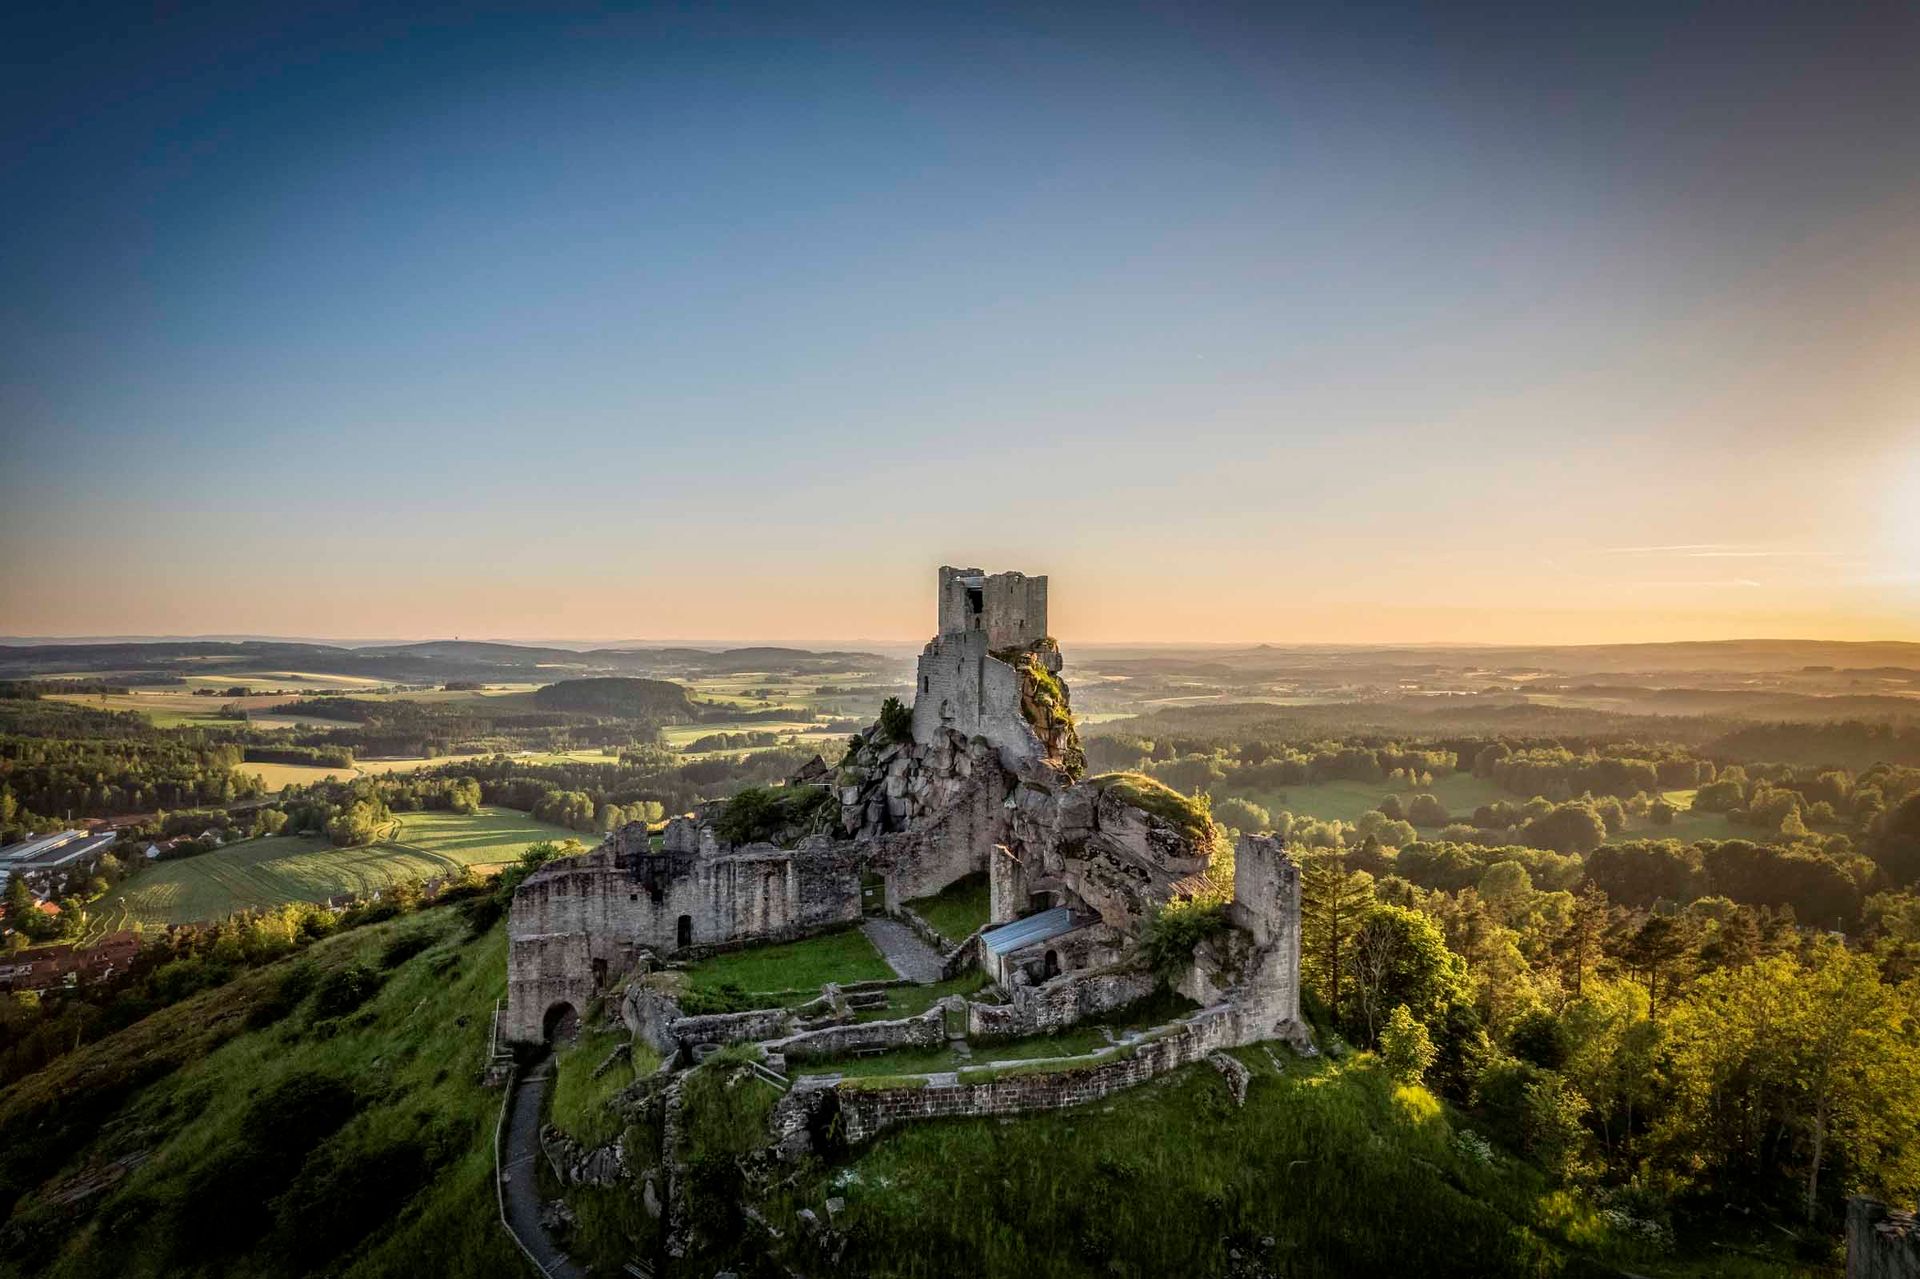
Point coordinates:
[(971, 678), (987, 781)]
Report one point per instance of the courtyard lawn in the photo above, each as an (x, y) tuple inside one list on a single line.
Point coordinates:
[(843, 956), (270, 871), (958, 909)]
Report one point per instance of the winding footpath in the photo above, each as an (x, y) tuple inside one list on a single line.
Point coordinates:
[(518, 1156), (903, 949)]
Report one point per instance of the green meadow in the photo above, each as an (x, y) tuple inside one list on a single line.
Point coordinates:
[(282, 868)]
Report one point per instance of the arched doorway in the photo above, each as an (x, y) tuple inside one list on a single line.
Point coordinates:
[(683, 932), (1051, 968), (561, 1022)]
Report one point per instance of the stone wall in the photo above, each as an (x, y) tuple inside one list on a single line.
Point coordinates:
[(928, 1030), (731, 1028), (578, 923), (866, 1111), (963, 687), (1882, 1243), (1266, 902), (1062, 1002), (1010, 609)]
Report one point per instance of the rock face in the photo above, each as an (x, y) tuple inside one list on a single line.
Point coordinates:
[(1083, 841)]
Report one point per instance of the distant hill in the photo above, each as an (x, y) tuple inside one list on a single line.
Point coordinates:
[(628, 698), (430, 661)]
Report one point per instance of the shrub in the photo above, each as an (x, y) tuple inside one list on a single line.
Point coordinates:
[(1405, 1047), (1176, 929), (403, 948), (896, 720), (765, 812), (344, 990)]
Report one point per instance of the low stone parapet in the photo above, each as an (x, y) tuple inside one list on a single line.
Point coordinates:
[(928, 1030), (731, 1028), (868, 1107)]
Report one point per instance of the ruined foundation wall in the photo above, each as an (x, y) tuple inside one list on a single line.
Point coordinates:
[(866, 1111), (1063, 1002), (927, 1030)]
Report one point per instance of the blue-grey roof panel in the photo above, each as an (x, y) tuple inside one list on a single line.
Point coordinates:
[(1025, 932)]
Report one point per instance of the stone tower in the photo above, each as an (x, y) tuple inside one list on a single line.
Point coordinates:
[(961, 685)]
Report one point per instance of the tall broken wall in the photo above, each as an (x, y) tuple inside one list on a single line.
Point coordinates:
[(1013, 606), (1266, 902), (579, 922), (962, 687)]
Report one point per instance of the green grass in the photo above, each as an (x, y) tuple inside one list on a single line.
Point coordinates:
[(1345, 1172), (268, 872), (958, 909), (577, 1101), (910, 1001), (1162, 801), (176, 1087), (842, 956)]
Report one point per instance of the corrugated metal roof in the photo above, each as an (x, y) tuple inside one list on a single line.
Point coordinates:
[(32, 847), (1025, 932), (61, 854)]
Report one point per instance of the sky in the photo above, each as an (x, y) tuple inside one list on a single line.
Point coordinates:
[(1505, 323)]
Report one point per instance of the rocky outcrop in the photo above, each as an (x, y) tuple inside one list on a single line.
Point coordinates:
[(576, 1165)]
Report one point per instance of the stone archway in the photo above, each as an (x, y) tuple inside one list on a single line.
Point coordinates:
[(562, 1022)]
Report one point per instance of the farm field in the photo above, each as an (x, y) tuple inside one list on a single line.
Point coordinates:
[(276, 869), (274, 776)]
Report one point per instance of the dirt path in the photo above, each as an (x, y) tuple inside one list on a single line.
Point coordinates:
[(903, 950)]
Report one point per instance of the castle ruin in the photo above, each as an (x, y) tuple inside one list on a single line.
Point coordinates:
[(988, 780)]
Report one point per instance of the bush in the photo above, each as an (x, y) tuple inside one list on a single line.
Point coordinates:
[(1176, 929), (403, 948), (1406, 1050), (896, 720), (765, 812), (344, 990)]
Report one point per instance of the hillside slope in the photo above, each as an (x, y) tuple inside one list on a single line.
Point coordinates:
[(245, 1131)]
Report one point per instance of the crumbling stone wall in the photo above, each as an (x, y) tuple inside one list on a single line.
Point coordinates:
[(1010, 609), (578, 923), (927, 1030), (866, 1111), (1062, 1002), (1266, 902), (963, 688)]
